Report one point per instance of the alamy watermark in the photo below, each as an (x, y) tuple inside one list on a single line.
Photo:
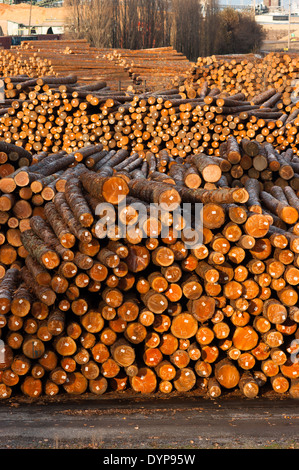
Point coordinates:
[(151, 220), (294, 348), (295, 92)]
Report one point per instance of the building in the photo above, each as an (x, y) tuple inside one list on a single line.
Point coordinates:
[(273, 3), (24, 19)]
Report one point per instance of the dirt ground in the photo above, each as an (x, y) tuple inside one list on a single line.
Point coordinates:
[(277, 37), (136, 422), (279, 31)]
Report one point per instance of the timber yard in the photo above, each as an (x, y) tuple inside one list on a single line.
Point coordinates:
[(124, 318)]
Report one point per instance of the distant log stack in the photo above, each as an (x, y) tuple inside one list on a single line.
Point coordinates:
[(250, 74), (151, 68), (121, 68), (52, 113)]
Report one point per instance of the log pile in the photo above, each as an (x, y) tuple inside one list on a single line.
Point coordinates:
[(248, 73), (50, 113), (27, 183), (120, 68), (152, 69), (76, 56), (112, 296), (101, 291), (13, 63), (53, 113)]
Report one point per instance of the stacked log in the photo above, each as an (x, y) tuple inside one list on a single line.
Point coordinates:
[(13, 64), (102, 291), (131, 70), (113, 295), (152, 69), (56, 113), (51, 113), (76, 56), (27, 183), (248, 73)]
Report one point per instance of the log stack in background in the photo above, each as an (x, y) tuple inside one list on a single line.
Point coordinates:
[(12, 64), (120, 68), (53, 113), (151, 68), (247, 73), (75, 56)]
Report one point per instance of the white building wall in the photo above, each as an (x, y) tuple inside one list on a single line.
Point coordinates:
[(14, 29)]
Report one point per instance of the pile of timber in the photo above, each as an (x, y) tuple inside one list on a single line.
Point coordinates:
[(77, 56), (53, 113), (152, 69), (120, 68), (69, 46), (13, 63), (249, 74), (102, 298)]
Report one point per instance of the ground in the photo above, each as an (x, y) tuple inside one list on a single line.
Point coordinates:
[(135, 422), (277, 37)]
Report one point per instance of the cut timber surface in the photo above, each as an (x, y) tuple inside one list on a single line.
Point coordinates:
[(106, 282)]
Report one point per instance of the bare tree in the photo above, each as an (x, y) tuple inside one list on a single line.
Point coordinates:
[(152, 22), (193, 27), (98, 22), (131, 24), (238, 33), (91, 20), (127, 24), (187, 18), (73, 17), (210, 28)]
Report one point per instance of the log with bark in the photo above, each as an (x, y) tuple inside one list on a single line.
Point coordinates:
[(107, 284)]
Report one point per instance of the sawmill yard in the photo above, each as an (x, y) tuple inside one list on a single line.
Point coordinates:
[(149, 246)]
